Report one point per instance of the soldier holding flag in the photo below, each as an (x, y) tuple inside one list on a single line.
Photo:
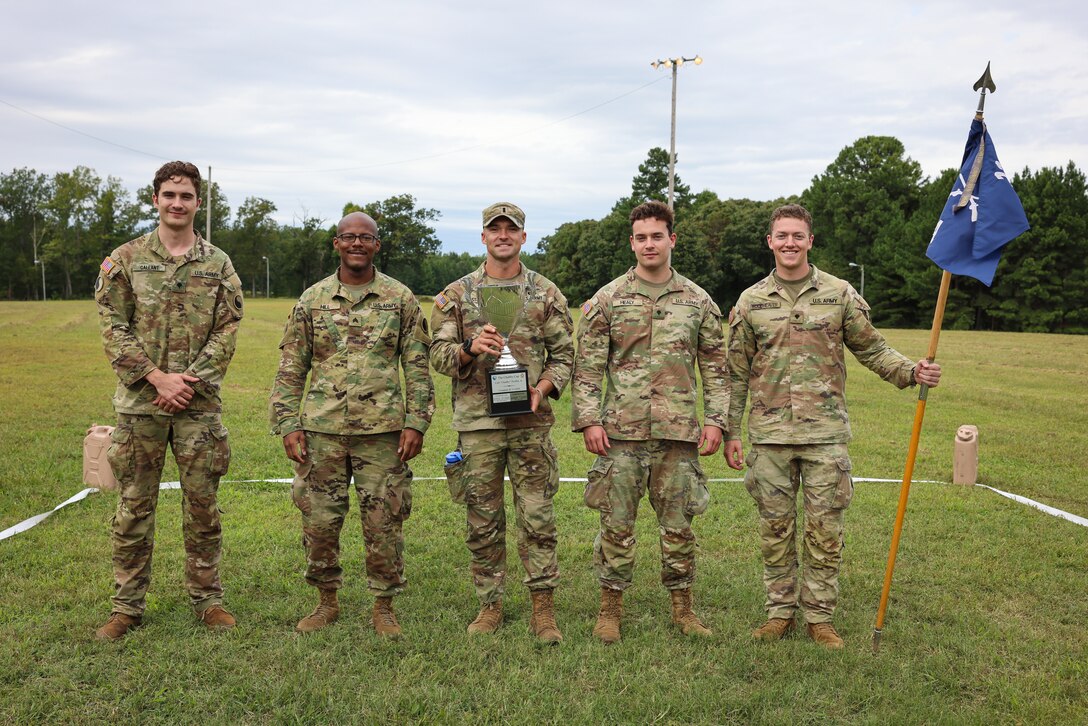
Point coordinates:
[(786, 348)]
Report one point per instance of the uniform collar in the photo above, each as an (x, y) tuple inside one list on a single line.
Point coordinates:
[(198, 251)]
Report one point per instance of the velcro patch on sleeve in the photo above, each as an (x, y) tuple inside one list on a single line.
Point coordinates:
[(109, 267), (443, 301)]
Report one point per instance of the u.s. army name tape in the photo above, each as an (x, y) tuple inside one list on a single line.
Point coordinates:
[(79, 496)]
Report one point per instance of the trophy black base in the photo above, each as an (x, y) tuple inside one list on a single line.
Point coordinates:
[(508, 392)]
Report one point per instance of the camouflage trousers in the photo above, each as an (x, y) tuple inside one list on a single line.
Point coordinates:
[(822, 471), (137, 453), (671, 473), (529, 457), (384, 485)]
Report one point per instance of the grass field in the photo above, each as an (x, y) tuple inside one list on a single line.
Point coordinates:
[(986, 623)]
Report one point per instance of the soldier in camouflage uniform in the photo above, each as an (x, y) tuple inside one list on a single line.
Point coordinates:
[(169, 304), (644, 333), (786, 348), (349, 333), (465, 348)]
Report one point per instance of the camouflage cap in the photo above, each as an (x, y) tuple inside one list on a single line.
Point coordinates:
[(505, 209)]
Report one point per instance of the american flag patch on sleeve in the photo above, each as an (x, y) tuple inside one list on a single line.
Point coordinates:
[(108, 265)]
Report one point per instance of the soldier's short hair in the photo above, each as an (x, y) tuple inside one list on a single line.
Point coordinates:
[(792, 211), (653, 209), (171, 169)]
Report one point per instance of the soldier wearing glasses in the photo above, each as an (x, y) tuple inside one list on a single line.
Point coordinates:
[(349, 333)]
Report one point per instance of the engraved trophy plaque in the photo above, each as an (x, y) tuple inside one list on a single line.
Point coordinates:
[(507, 380)]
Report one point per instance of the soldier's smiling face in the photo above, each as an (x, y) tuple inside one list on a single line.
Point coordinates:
[(357, 255), (176, 202), (503, 239), (790, 240), (651, 243)]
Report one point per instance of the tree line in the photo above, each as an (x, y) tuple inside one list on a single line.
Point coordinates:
[(871, 206)]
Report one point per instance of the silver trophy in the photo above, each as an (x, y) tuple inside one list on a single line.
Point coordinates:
[(507, 380)]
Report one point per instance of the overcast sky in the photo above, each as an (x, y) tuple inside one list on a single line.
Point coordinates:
[(551, 105)]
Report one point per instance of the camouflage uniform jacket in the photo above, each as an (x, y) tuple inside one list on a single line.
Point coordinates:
[(647, 352), (791, 359), (180, 316), (351, 350), (541, 342)]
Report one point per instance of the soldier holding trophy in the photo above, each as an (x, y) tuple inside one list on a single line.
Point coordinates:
[(503, 335)]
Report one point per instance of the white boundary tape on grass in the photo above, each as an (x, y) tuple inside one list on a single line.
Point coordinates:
[(1038, 505), (39, 518)]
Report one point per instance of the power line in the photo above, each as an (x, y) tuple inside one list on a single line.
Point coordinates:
[(82, 133), (398, 162)]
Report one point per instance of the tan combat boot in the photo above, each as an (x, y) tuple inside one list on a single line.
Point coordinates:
[(488, 620), (683, 615), (774, 629), (542, 622), (326, 613), (824, 634), (217, 618), (116, 627), (384, 620), (608, 620)]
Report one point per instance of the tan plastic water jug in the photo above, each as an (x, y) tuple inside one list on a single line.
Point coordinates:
[(96, 468)]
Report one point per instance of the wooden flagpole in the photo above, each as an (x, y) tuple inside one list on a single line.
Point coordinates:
[(985, 83)]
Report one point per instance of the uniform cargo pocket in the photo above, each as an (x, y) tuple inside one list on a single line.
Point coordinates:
[(400, 493), (844, 491), (120, 454), (749, 475), (698, 498), (455, 480), (552, 457), (219, 458), (599, 485)]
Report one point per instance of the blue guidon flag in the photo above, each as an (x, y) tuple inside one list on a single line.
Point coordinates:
[(973, 228)]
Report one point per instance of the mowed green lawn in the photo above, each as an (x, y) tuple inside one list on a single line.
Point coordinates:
[(986, 622)]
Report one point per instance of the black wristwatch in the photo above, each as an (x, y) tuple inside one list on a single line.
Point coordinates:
[(467, 346)]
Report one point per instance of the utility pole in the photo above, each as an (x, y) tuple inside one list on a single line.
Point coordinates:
[(208, 225), (674, 64)]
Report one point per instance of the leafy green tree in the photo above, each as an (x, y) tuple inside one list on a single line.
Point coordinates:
[(71, 210), (863, 196), (252, 237), (652, 181), (1041, 283), (407, 237), (733, 231), (303, 256), (24, 194), (439, 270)]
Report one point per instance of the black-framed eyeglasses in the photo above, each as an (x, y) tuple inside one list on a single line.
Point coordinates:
[(349, 238)]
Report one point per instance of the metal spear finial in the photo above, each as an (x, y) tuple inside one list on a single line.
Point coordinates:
[(984, 83)]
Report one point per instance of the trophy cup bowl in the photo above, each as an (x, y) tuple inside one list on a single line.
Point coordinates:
[(507, 380)]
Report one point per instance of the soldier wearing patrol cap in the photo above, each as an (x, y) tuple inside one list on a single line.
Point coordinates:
[(465, 348), (644, 333), (169, 304), (786, 349), (350, 333)]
